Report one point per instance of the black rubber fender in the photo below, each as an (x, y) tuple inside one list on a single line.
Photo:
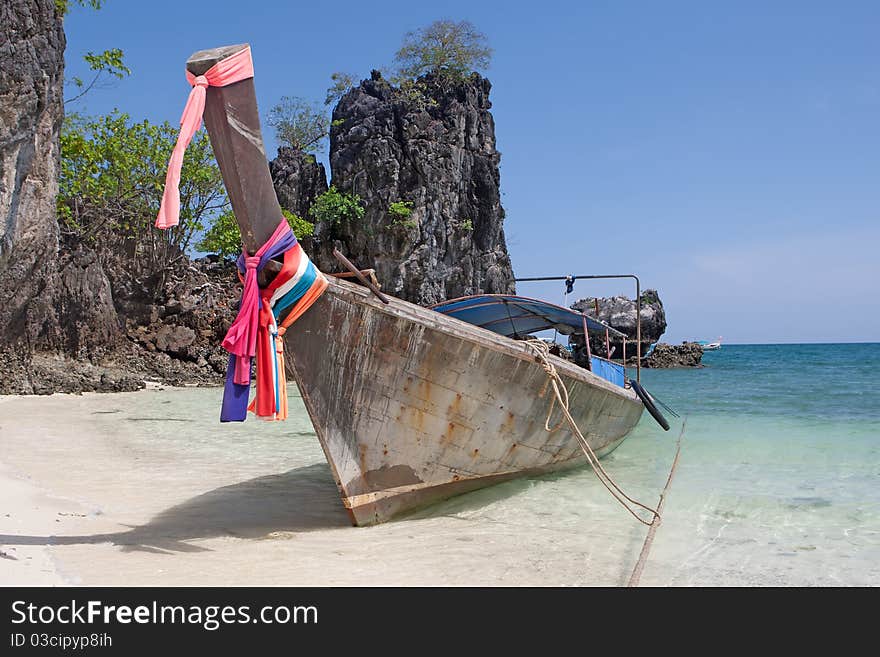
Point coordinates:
[(649, 404)]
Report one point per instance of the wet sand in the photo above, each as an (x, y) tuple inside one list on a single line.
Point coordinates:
[(124, 489)]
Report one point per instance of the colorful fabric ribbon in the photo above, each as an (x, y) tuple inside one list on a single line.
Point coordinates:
[(234, 68), (241, 338), (255, 333)]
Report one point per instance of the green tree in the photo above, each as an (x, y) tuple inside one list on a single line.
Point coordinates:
[(334, 207), (444, 47), (224, 236), (342, 82), (301, 227), (299, 124), (111, 183)]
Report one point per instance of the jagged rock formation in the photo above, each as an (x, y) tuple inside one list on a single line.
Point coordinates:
[(171, 335), (433, 146), (686, 354), (83, 305), (31, 110), (75, 318), (298, 179), (620, 313), (54, 299)]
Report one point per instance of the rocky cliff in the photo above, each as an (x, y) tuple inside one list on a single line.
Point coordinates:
[(31, 110), (620, 313), (430, 145), (298, 179), (170, 335), (74, 318), (55, 298)]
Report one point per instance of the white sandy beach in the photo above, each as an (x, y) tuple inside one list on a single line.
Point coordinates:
[(149, 488), (120, 489)]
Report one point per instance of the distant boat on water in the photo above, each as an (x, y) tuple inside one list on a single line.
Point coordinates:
[(710, 346)]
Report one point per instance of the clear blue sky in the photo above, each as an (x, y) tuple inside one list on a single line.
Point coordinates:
[(726, 152)]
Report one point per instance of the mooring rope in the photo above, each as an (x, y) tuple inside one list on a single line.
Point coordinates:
[(652, 530), (542, 351)]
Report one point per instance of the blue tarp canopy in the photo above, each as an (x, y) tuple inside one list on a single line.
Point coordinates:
[(511, 315)]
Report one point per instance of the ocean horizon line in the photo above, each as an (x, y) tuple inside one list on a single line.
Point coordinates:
[(772, 344)]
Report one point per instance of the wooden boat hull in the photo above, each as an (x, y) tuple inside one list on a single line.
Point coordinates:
[(411, 406)]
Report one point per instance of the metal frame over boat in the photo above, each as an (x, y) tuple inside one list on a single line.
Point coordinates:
[(410, 405)]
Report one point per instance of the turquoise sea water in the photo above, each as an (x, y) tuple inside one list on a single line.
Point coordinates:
[(778, 484), (780, 475)]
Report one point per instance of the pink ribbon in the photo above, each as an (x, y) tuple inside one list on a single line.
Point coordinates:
[(241, 338), (234, 68)]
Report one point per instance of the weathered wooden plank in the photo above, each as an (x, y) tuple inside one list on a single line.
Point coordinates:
[(233, 123)]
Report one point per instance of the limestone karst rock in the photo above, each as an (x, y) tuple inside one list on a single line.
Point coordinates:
[(430, 145)]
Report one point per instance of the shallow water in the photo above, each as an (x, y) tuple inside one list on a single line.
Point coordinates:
[(777, 484), (781, 464)]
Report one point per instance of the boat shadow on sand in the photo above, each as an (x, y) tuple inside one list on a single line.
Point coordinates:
[(270, 507), (273, 506)]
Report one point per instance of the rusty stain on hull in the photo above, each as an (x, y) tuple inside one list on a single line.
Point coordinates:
[(412, 406), (390, 476)]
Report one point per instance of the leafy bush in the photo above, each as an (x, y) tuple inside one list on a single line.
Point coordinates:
[(400, 212), (224, 236), (301, 227), (416, 93), (111, 183), (334, 207), (400, 209)]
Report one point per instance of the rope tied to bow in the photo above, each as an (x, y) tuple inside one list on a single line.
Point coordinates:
[(560, 396)]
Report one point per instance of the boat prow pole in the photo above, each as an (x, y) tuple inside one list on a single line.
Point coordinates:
[(233, 123)]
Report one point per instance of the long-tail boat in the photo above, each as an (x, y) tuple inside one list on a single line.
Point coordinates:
[(413, 404)]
